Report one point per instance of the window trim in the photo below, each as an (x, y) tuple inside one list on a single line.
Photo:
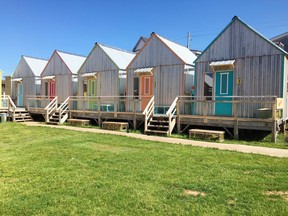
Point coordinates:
[(227, 84)]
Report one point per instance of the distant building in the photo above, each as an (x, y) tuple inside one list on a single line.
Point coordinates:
[(140, 43), (281, 41)]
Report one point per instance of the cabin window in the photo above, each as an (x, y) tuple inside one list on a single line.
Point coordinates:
[(224, 83), (208, 85), (92, 87), (147, 85), (46, 88), (136, 86), (85, 88)]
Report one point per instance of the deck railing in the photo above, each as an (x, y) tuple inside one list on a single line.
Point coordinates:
[(228, 106), (37, 103), (51, 108), (7, 103), (115, 104), (148, 112), (171, 113), (63, 111)]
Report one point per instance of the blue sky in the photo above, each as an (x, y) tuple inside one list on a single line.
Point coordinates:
[(37, 27)]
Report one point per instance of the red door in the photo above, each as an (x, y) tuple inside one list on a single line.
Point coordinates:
[(146, 90), (52, 89)]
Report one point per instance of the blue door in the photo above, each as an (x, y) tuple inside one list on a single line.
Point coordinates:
[(20, 95), (224, 87)]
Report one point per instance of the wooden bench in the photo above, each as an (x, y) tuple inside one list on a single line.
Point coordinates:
[(115, 125), (78, 122), (207, 134)]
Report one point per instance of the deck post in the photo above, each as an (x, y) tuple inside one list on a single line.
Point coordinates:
[(274, 122), (235, 114), (204, 111), (99, 114), (283, 127), (134, 115), (115, 107), (178, 117)]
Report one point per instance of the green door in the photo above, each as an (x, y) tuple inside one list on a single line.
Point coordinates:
[(92, 91), (20, 95), (224, 87)]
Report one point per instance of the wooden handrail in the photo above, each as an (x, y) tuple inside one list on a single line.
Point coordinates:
[(11, 102), (64, 103), (148, 105), (51, 103), (172, 107)]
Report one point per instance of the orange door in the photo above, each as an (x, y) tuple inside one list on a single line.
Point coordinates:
[(52, 89), (146, 90)]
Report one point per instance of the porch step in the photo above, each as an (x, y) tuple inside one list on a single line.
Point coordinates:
[(156, 132), (158, 125), (22, 115), (55, 118)]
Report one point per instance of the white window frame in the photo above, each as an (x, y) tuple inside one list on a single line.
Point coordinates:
[(226, 83)]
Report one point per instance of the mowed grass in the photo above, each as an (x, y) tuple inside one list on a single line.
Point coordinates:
[(46, 171)]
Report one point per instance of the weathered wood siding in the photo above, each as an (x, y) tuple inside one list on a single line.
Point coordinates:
[(285, 83), (168, 72), (258, 64), (108, 73), (28, 80), (63, 77)]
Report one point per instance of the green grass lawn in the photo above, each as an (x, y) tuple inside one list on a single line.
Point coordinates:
[(46, 171)]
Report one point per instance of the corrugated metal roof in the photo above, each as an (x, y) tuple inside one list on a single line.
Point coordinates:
[(93, 74), (48, 77), (17, 80), (120, 57), (72, 61), (219, 63), (35, 64), (143, 70), (182, 52)]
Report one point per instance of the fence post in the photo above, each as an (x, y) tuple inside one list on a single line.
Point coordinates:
[(178, 117)]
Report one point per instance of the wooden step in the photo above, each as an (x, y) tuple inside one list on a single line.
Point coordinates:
[(156, 132), (160, 117), (154, 122), (158, 127)]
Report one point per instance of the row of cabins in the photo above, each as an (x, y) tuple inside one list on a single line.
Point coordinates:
[(239, 82)]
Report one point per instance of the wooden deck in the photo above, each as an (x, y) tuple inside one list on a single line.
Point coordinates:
[(229, 122), (134, 118)]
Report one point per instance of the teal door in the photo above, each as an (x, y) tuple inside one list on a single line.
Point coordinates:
[(224, 89), (20, 95)]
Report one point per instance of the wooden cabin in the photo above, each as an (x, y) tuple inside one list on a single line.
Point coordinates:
[(59, 77), (281, 40), (161, 68), (103, 74), (26, 79), (249, 88)]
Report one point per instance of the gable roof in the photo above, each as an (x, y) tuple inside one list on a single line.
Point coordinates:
[(249, 27), (72, 61), (141, 39), (185, 54), (279, 36), (121, 58), (36, 64)]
